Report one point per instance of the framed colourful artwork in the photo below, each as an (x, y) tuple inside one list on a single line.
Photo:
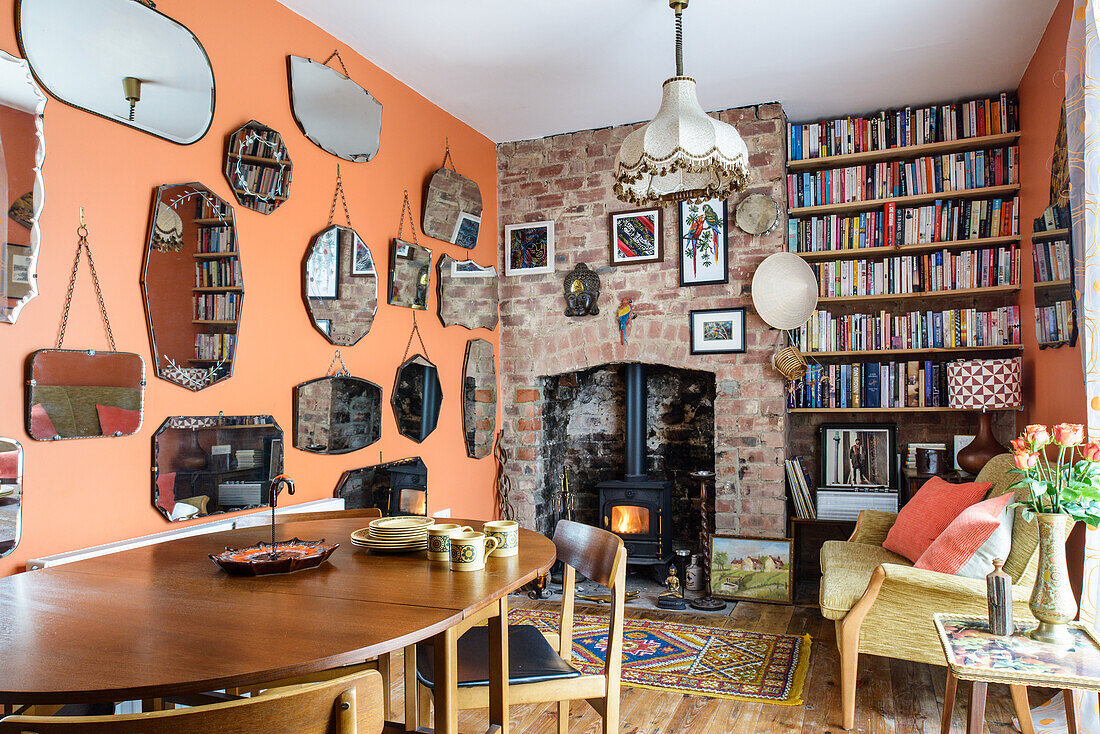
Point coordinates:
[(635, 237), (704, 254), (751, 568), (717, 331), (529, 248)]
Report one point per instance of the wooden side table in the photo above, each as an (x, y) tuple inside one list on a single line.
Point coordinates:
[(974, 654)]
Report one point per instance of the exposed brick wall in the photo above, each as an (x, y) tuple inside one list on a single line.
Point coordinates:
[(567, 179)]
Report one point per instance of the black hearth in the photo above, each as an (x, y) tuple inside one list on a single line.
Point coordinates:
[(637, 508)]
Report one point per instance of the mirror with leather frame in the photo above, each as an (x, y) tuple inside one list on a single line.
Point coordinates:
[(479, 398), (340, 285), (11, 493), (22, 151), (467, 293), (395, 487), (410, 274), (192, 285), (337, 414), (122, 60), (204, 465), (416, 398), (83, 394), (452, 209), (335, 113)]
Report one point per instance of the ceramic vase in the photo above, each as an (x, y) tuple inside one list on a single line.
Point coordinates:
[(1052, 601)]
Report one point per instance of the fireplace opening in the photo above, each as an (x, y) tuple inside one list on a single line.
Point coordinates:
[(629, 520)]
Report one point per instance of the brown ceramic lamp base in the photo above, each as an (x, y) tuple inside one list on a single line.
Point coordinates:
[(983, 448)]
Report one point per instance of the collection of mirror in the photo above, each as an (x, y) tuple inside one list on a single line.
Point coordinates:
[(192, 284)]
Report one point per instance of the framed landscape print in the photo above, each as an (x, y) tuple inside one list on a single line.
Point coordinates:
[(635, 237), (747, 567), (704, 254), (529, 248), (858, 456), (717, 331)]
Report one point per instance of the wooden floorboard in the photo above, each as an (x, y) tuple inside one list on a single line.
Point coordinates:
[(893, 696)]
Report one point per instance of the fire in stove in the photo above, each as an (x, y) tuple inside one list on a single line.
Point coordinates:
[(630, 520)]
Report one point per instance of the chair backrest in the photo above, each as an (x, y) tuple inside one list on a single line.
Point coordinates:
[(348, 705), (1021, 562), (589, 549), (286, 517)]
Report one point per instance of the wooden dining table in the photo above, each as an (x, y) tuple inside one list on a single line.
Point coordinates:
[(162, 619)]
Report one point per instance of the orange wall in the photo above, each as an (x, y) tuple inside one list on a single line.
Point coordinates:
[(83, 492), (1054, 382)]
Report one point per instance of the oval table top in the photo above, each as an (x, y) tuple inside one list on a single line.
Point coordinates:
[(164, 619)]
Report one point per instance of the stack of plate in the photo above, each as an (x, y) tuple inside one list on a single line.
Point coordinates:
[(394, 534)]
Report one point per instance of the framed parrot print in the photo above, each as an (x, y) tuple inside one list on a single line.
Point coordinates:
[(704, 253)]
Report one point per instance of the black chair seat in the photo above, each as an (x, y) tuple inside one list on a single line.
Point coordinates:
[(531, 659)]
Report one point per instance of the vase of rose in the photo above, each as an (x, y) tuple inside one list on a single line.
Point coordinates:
[(1060, 493)]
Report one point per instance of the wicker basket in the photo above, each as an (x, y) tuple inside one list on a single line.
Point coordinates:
[(790, 363)]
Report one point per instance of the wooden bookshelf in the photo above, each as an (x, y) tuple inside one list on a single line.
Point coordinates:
[(955, 293), (260, 160), (226, 289), (869, 253), (850, 207), (892, 410), (213, 222), (1059, 343), (843, 354), (904, 152), (215, 255), (1050, 234), (211, 322), (1051, 284), (273, 197)]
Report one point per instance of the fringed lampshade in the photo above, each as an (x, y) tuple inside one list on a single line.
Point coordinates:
[(983, 384)]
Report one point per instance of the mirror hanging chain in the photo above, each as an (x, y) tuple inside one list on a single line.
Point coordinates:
[(406, 207), (336, 53), (339, 192), (82, 245), (332, 371), (447, 155), (415, 331)]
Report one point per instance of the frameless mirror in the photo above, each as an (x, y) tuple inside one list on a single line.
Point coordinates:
[(396, 488), (22, 150), (258, 167), (467, 293), (452, 208), (203, 465), (122, 60), (340, 285), (410, 273), (83, 394), (192, 285), (11, 493), (479, 398), (338, 115), (337, 414), (416, 398)]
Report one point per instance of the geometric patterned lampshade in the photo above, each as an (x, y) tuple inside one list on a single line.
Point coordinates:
[(980, 384)]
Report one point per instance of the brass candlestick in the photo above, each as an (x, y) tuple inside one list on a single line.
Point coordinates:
[(706, 602)]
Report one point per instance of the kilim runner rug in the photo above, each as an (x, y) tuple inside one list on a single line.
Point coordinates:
[(689, 658)]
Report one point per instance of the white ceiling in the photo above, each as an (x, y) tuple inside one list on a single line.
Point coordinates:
[(518, 69)]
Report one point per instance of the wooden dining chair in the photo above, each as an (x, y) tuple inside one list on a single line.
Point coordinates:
[(537, 672), (348, 705)]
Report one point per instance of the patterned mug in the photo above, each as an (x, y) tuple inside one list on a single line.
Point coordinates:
[(507, 534), (468, 550), (439, 540)]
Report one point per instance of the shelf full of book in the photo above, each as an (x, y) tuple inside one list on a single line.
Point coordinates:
[(1053, 267), (258, 167), (218, 289)]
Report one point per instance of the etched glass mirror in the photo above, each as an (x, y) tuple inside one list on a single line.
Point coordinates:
[(203, 465), (338, 115), (467, 293), (337, 414), (479, 398), (396, 487), (22, 151), (410, 273), (341, 285), (11, 493), (452, 209), (258, 167), (192, 285), (122, 60), (416, 398)]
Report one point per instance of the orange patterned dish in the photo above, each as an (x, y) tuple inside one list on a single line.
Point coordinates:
[(284, 556)]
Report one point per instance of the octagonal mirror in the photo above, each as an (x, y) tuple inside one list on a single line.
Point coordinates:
[(479, 398), (452, 208), (416, 398), (11, 493), (467, 293), (396, 487), (258, 167), (337, 414), (192, 285), (340, 285), (410, 274)]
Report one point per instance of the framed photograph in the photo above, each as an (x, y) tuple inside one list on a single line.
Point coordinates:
[(323, 268), (361, 261), (717, 331), (635, 237), (859, 456), (470, 269), (466, 230), (529, 248), (17, 270), (704, 252), (751, 568)]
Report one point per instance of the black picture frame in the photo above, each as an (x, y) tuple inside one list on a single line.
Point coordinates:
[(837, 470), (722, 253), (734, 339)]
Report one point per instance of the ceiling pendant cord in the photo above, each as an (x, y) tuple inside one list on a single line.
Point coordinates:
[(679, 8)]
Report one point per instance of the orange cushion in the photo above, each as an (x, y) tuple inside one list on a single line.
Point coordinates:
[(928, 513), (973, 539)]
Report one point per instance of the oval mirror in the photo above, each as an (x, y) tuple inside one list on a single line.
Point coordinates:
[(258, 167), (410, 274), (22, 151), (122, 60), (467, 293), (416, 398), (204, 465), (192, 285), (452, 209), (11, 493), (396, 487), (340, 285), (479, 398), (335, 113), (337, 414)]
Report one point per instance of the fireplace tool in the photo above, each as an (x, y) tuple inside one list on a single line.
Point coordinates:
[(564, 505), (706, 602)]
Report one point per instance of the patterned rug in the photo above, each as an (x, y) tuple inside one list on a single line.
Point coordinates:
[(690, 658)]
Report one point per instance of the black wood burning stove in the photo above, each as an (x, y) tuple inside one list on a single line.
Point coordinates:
[(636, 508), (408, 488)]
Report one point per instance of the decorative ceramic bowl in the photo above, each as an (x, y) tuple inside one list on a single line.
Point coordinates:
[(283, 557)]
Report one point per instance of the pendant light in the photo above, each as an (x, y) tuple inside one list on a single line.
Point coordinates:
[(684, 153)]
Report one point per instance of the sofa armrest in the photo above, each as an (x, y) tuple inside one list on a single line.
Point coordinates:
[(872, 526), (921, 592)]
